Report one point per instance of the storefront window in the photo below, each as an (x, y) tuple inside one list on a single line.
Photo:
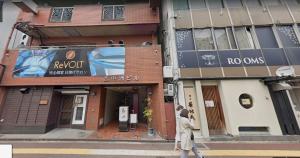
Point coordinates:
[(244, 37), (246, 101), (288, 36), (184, 40), (180, 5), (203, 39)]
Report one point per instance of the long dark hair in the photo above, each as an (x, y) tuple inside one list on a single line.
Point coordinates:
[(184, 113), (179, 107)]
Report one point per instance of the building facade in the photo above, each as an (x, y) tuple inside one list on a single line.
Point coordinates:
[(84, 60), (235, 64)]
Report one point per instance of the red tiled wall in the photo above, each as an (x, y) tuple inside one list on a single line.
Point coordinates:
[(85, 15)]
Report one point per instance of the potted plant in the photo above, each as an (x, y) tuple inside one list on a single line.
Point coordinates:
[(148, 114)]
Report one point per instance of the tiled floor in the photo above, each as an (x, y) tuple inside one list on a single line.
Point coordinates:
[(111, 132)]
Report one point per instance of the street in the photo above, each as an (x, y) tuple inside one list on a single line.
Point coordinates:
[(116, 149)]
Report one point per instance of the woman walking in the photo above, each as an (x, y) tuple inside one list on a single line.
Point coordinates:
[(177, 137), (186, 127)]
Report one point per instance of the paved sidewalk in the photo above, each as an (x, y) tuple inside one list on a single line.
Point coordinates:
[(103, 149)]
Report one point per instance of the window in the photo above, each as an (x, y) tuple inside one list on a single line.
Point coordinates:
[(113, 12), (234, 3), (293, 2), (61, 14), (244, 38), (225, 39), (272, 2), (288, 36), (198, 4), (215, 4), (180, 4), (221, 39), (184, 40), (246, 101), (1, 11), (231, 38), (204, 39), (253, 3), (266, 38)]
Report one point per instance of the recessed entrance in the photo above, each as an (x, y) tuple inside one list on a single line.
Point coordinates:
[(132, 97)]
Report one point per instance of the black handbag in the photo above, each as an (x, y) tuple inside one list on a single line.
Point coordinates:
[(192, 136)]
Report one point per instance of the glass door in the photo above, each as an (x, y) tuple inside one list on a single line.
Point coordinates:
[(79, 109)]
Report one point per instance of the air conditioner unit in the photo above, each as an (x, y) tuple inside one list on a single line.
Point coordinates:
[(168, 71), (169, 90)]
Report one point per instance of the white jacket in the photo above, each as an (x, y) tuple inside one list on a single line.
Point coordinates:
[(186, 127)]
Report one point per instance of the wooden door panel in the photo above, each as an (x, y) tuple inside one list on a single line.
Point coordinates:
[(213, 109)]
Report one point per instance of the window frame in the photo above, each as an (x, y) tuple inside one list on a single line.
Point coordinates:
[(1, 11), (61, 16), (113, 19), (248, 34)]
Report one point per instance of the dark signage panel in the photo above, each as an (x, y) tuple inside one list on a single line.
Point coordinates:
[(188, 60), (70, 62), (293, 55), (252, 58), (275, 57), (230, 58), (208, 59)]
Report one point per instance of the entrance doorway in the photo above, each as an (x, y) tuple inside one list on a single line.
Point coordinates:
[(72, 110), (214, 111), (132, 97), (66, 110), (284, 111)]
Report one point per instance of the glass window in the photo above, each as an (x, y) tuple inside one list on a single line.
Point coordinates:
[(293, 2), (197, 4), (180, 4), (253, 3), (204, 39), (266, 37), (61, 14), (221, 39), (272, 2), (231, 38), (1, 11), (184, 40), (244, 38), (113, 12), (288, 36), (215, 4), (79, 113), (234, 3)]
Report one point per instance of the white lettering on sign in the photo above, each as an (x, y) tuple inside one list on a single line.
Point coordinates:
[(247, 61), (121, 78)]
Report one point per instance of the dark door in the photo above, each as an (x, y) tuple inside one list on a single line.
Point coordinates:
[(66, 111), (213, 109), (284, 111), (171, 121)]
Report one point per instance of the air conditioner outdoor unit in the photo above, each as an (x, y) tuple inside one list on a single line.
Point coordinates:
[(169, 90), (168, 71)]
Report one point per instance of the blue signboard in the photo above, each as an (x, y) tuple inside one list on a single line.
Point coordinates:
[(70, 62)]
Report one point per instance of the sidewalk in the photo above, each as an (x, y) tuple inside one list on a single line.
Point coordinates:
[(67, 134)]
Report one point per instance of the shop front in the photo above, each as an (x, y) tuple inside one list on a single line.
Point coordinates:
[(82, 88)]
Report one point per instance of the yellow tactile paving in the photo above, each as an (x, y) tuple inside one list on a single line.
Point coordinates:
[(125, 152)]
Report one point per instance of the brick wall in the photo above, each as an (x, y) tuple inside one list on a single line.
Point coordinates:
[(87, 15)]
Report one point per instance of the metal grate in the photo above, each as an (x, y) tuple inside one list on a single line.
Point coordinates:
[(61, 14), (113, 12)]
